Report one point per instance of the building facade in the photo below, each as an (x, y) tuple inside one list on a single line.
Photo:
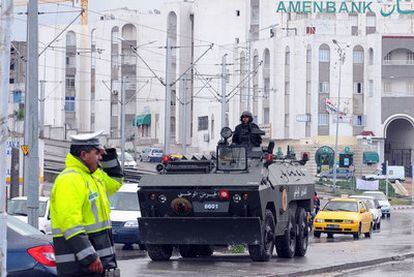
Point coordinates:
[(281, 62)]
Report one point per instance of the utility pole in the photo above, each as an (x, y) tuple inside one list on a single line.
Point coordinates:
[(249, 69), (386, 178), (124, 82), (167, 120), (223, 91), (184, 121), (42, 107), (31, 130), (341, 53), (6, 9)]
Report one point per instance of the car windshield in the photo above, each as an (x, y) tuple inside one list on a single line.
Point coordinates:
[(128, 157), (344, 206), (157, 151), (378, 196), (370, 203), (124, 201), (19, 207), (21, 227)]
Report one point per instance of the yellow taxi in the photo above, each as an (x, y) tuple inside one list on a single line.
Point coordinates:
[(344, 216)]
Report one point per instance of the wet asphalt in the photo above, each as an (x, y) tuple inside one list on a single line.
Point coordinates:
[(396, 237)]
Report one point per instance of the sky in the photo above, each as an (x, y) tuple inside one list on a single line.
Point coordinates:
[(19, 24)]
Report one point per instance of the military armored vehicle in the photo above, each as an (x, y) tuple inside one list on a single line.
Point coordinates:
[(243, 195)]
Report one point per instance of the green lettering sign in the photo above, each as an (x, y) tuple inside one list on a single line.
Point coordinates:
[(281, 7)]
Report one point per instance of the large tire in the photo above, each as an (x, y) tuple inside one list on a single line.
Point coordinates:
[(317, 234), (302, 238), (159, 252), (188, 250), (286, 244), (205, 250), (263, 252)]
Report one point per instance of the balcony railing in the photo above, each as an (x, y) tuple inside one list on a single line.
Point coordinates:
[(398, 62), (398, 94)]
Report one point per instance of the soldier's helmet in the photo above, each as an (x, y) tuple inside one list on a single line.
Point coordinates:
[(246, 114)]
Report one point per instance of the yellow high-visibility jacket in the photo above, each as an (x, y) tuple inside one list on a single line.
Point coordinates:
[(80, 216)]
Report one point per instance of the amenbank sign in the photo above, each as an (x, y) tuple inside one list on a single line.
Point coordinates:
[(385, 8)]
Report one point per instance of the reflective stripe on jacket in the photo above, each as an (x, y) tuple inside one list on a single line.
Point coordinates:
[(80, 216)]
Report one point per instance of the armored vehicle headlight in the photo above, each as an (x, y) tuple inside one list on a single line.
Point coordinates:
[(226, 133), (152, 196), (245, 196), (131, 224), (162, 198), (236, 198)]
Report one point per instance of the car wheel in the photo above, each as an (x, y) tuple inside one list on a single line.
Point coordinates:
[(317, 234), (142, 246), (127, 247), (302, 238), (379, 225), (369, 234), (357, 235), (388, 215), (286, 244), (188, 251), (330, 236), (205, 250), (159, 252), (263, 252)]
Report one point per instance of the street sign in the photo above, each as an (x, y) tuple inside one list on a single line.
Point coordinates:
[(25, 149)]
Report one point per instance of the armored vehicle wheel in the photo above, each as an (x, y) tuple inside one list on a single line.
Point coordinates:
[(188, 250), (159, 252), (303, 233), (286, 244), (263, 252), (205, 250)]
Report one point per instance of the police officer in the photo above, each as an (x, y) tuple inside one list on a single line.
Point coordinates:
[(79, 209), (243, 133)]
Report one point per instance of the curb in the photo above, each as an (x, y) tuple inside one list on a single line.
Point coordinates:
[(348, 266), (402, 207)]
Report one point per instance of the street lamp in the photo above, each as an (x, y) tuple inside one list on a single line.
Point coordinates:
[(341, 54)]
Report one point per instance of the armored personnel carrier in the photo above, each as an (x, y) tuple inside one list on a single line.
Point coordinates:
[(243, 195)]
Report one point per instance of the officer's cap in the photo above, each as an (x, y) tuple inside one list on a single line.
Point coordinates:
[(90, 139), (247, 114)]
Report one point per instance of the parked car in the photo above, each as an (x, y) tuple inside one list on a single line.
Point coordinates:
[(373, 206), (344, 216), (382, 200), (129, 162), (151, 155), (394, 173), (340, 174), (29, 252), (17, 207), (124, 215)]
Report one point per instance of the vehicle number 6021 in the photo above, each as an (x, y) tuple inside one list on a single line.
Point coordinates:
[(211, 206)]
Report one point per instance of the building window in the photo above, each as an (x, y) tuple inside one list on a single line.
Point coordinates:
[(371, 56), (237, 13), (266, 115), (308, 87), (287, 88), (12, 65), (70, 82), (359, 121), (358, 57), (11, 81), (387, 87), (323, 120), (410, 88), (70, 61), (388, 57), (358, 87), (287, 120), (203, 123), (115, 61), (324, 87), (410, 57), (287, 56), (371, 88), (324, 55), (308, 55), (70, 104), (212, 127)]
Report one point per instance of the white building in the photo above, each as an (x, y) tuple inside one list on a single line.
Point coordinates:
[(282, 65)]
